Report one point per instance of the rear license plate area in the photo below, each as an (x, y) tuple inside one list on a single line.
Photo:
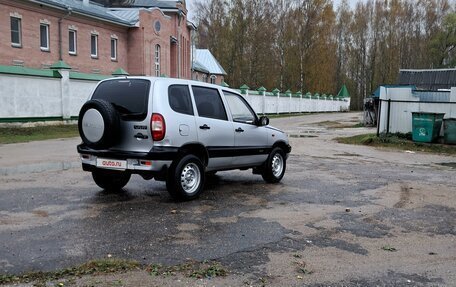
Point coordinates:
[(111, 163)]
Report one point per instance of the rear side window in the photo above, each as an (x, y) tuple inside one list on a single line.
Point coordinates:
[(128, 96), (209, 104), (179, 99)]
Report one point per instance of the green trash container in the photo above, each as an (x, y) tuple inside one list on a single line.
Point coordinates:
[(426, 126), (449, 131)]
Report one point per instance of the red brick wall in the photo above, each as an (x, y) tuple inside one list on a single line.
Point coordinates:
[(135, 46), (199, 76), (142, 43), (31, 54)]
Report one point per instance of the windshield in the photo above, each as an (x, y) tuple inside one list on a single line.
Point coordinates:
[(128, 96)]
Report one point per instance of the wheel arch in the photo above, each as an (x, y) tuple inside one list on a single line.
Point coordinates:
[(281, 144), (197, 149)]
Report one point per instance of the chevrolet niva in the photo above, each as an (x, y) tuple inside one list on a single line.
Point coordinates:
[(177, 131)]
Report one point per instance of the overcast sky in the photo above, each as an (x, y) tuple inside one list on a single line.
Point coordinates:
[(190, 3)]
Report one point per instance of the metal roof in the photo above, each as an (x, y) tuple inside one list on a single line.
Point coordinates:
[(93, 10), (205, 59), (343, 93), (432, 80), (130, 15), (198, 67), (155, 3), (125, 15)]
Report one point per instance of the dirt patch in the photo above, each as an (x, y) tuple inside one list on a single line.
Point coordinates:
[(404, 197), (448, 164), (40, 213)]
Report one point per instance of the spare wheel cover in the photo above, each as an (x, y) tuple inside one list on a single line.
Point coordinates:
[(93, 126)]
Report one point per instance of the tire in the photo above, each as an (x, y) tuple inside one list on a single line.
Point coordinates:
[(111, 180), (99, 124), (211, 173), (186, 177), (275, 166)]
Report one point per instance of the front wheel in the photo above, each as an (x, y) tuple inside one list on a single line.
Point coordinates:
[(275, 166), (111, 180), (185, 180)]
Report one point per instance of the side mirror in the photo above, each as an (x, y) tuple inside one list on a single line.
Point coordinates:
[(263, 121)]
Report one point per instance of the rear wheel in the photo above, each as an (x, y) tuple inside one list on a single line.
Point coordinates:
[(211, 173), (275, 166), (111, 180), (185, 180)]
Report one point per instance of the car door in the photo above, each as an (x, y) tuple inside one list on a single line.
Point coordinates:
[(250, 140), (215, 132)]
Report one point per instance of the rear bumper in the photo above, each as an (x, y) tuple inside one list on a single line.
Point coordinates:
[(157, 159)]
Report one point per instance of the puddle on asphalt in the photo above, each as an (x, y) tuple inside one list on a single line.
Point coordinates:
[(347, 154), (448, 164), (39, 167), (309, 132), (303, 136)]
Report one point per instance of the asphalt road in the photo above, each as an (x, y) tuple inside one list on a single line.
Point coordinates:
[(354, 216)]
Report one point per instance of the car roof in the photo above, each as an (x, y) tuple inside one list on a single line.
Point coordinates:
[(175, 81)]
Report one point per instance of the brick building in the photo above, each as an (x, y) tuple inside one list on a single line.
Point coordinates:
[(147, 37), (206, 68)]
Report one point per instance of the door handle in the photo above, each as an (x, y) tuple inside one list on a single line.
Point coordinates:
[(140, 136), (205, 127), (239, 130)]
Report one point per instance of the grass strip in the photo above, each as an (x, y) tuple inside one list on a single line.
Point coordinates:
[(192, 269), (10, 135), (338, 125), (398, 142), (284, 115), (102, 266)]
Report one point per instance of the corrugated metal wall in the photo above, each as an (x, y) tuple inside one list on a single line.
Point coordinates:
[(400, 113), (432, 96)]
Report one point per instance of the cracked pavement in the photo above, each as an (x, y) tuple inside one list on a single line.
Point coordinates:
[(336, 209)]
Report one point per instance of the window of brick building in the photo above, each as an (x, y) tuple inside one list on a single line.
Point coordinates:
[(157, 60), (16, 35), (94, 46), (72, 42), (113, 49), (44, 37)]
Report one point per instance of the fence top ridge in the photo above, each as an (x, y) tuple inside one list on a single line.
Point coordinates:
[(24, 71)]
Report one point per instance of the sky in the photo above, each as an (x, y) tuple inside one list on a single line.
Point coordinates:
[(190, 3)]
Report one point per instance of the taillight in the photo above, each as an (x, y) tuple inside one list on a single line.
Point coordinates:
[(158, 127)]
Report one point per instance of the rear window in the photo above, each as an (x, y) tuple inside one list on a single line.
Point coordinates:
[(179, 99), (208, 103), (128, 96)]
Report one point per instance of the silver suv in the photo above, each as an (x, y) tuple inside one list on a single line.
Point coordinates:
[(176, 131)]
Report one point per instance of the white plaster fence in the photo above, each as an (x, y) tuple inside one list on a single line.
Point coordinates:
[(32, 98), (269, 103), (26, 98)]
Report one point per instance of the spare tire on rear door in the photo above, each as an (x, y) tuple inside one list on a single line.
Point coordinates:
[(99, 124)]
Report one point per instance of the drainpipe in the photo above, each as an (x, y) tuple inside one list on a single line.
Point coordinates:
[(192, 71), (143, 65), (69, 10), (179, 45)]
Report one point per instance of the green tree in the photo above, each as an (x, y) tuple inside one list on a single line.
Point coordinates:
[(309, 45), (444, 43)]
